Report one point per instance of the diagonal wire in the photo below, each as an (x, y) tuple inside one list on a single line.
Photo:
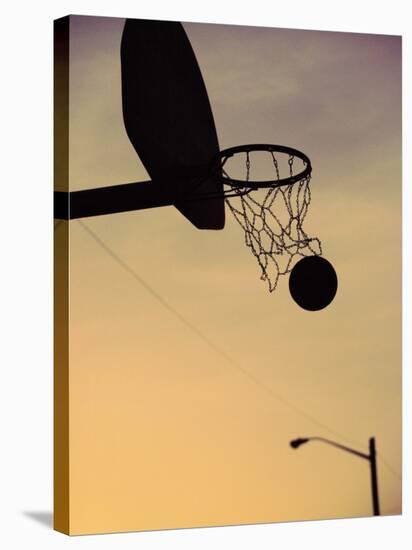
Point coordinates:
[(153, 292), (217, 348)]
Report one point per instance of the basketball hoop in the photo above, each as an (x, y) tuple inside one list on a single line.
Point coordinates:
[(270, 209)]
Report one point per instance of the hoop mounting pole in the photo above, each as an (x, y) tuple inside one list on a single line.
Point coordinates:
[(111, 200)]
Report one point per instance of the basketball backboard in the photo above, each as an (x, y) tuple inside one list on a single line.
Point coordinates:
[(168, 117)]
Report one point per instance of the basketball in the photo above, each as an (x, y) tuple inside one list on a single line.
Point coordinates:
[(313, 283)]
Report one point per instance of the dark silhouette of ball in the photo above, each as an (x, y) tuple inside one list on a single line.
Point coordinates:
[(313, 283)]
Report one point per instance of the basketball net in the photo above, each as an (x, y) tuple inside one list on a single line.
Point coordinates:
[(272, 220)]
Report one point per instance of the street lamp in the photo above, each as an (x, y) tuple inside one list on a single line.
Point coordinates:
[(371, 457)]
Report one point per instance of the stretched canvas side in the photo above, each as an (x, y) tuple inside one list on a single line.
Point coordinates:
[(61, 279)]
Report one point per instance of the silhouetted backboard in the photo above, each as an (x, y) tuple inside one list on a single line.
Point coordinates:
[(167, 114)]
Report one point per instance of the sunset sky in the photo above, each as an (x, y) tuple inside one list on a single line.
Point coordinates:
[(165, 430)]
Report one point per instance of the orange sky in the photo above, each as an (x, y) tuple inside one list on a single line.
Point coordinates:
[(166, 432)]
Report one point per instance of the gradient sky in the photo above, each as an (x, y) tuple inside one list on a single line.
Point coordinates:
[(164, 431)]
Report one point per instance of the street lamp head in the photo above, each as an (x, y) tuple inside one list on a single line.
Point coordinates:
[(298, 442)]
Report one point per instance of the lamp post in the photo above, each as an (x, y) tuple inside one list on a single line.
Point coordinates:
[(371, 457)]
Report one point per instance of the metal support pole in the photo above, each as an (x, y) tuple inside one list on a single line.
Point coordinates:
[(110, 200), (374, 477)]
